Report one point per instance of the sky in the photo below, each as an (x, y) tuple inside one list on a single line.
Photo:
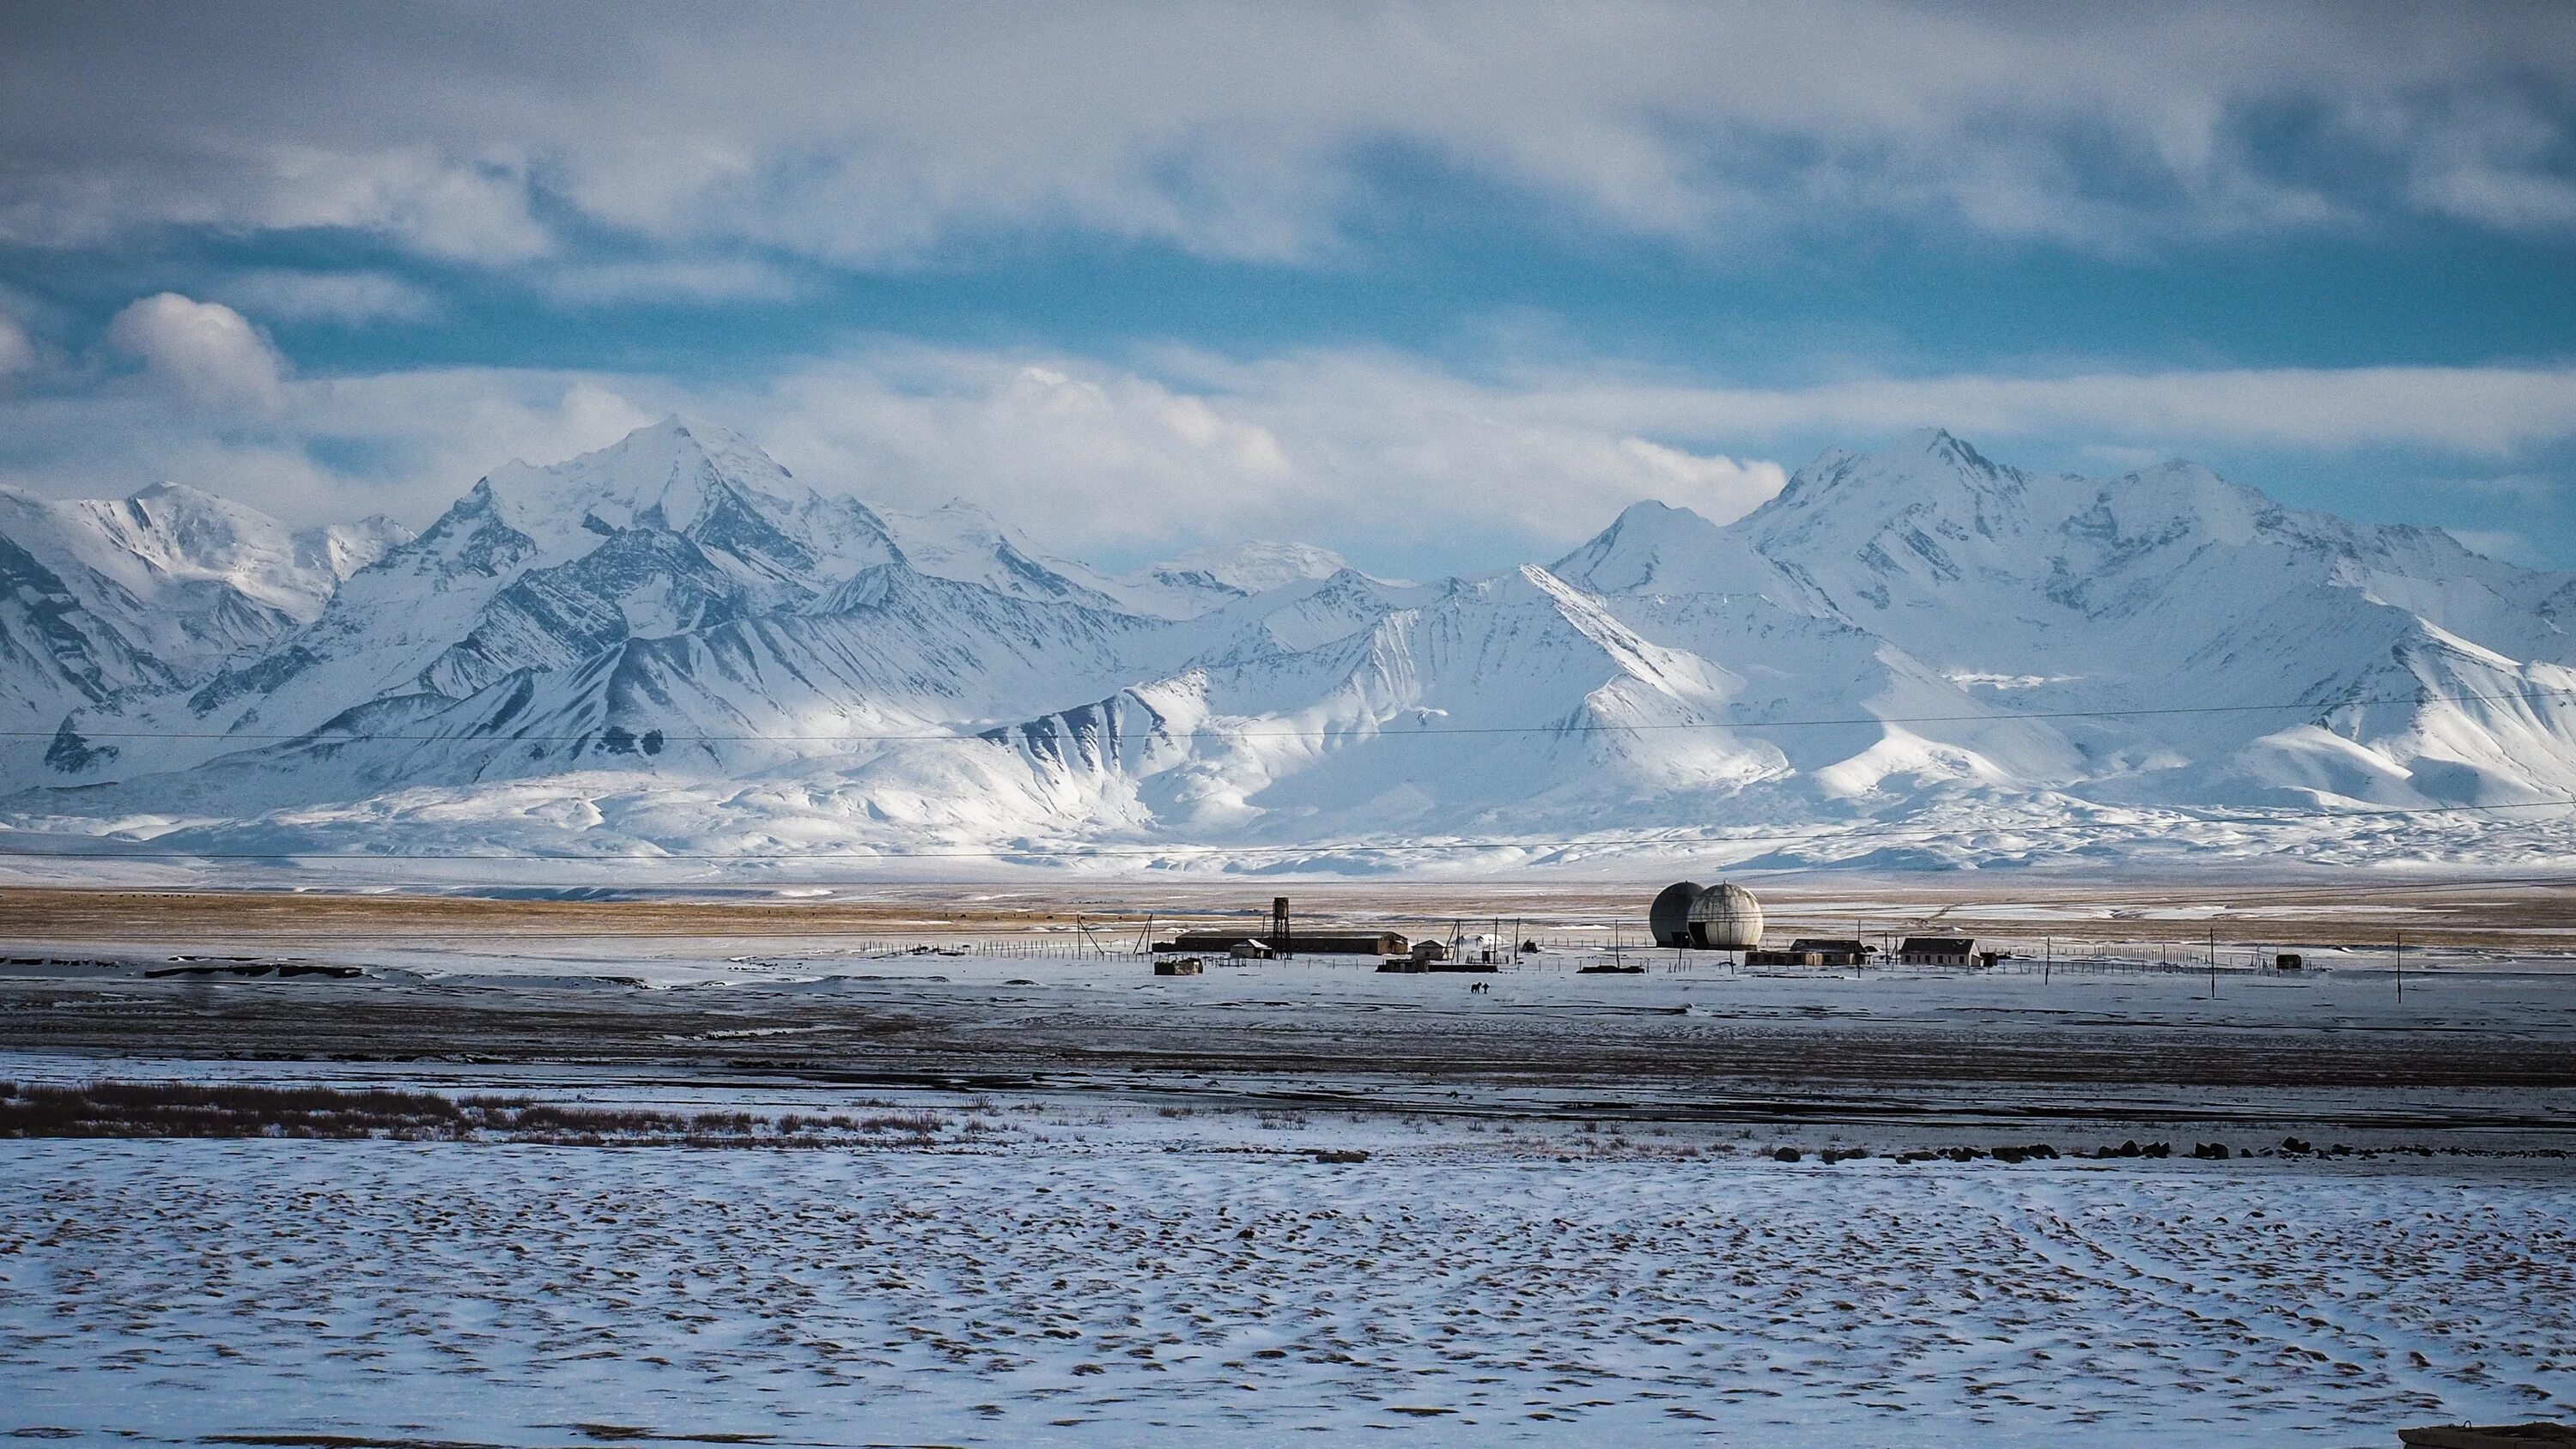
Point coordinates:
[(1441, 287)]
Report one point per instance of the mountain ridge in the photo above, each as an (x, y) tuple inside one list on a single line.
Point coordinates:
[(673, 645)]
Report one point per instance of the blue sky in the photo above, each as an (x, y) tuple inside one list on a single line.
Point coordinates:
[(1437, 286)]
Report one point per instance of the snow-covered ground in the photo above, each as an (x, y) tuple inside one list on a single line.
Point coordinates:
[(1142, 1213), (1103, 1274)]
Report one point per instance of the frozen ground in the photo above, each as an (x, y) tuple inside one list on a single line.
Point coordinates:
[(1081, 1273), (1568, 1226), (2477, 1044)]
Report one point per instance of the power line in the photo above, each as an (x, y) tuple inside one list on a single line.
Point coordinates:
[(1875, 831), (1588, 727)]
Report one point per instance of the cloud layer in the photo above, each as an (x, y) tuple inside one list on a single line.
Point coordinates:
[(1381, 454), (876, 136)]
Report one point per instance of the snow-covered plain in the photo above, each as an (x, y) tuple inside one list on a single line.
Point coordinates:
[(1081, 1274), (1121, 1225)]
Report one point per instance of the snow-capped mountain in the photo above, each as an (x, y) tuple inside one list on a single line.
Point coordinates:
[(153, 592), (1917, 655)]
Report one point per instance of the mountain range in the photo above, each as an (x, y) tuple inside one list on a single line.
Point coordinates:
[(673, 648)]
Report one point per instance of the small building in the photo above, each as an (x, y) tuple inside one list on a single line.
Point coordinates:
[(1375, 943), (1833, 950), (1180, 966), (1937, 951), (1795, 956)]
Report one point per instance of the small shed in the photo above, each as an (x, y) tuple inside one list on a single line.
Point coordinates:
[(1937, 951), (1833, 950)]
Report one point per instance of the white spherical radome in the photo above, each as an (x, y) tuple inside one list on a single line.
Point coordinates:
[(1726, 918)]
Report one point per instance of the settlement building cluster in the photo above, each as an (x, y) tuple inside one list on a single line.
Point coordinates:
[(1685, 916), (1725, 917)]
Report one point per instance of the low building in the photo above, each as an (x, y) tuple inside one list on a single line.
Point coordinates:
[(1833, 950), (1218, 943), (1937, 951), (1795, 956)]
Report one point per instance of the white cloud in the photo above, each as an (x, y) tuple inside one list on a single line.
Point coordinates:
[(406, 443), (1383, 456), (17, 350), (1359, 452), (1350, 448), (349, 298), (612, 283), (452, 205), (206, 351), (873, 135), (2472, 410)]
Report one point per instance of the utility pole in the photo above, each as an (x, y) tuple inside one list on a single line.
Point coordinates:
[(2047, 957), (2401, 965), (2213, 963)]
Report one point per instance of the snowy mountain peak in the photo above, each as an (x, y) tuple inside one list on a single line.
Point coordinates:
[(1927, 467), (153, 492), (675, 474), (961, 542), (1249, 568), (341, 549), (1655, 548), (1941, 446)]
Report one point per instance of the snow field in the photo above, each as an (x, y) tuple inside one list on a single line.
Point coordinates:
[(1120, 1276)]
